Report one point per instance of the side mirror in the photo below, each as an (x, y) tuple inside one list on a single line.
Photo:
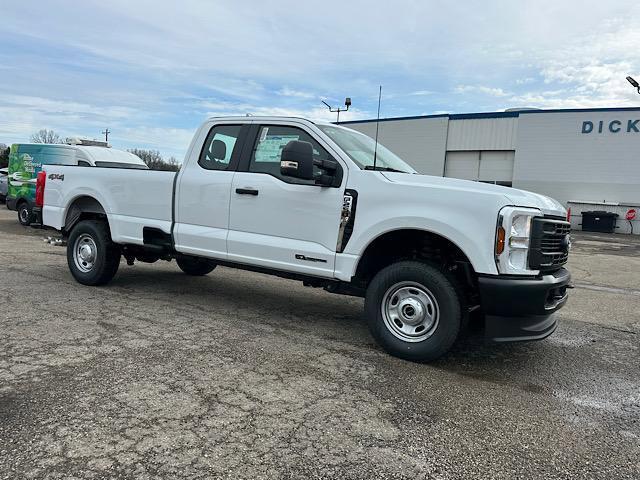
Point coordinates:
[(297, 160)]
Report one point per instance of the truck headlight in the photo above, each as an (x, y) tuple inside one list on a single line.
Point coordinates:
[(512, 240)]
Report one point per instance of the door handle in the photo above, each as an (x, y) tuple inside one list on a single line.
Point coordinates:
[(247, 191)]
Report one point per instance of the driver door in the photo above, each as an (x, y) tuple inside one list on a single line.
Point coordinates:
[(280, 222)]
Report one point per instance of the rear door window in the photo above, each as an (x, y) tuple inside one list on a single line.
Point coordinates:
[(219, 147)]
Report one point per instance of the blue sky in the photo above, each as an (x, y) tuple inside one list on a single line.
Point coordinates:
[(151, 71)]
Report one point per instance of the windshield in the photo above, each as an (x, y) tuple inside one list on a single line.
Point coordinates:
[(360, 149)]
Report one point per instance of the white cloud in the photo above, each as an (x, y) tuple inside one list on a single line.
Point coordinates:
[(289, 92), (481, 89), (421, 93)]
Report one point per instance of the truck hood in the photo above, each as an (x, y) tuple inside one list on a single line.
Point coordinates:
[(510, 196)]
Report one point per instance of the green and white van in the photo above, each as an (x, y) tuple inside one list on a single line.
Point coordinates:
[(27, 159)]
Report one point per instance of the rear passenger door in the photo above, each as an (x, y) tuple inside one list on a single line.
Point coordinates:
[(281, 222), (203, 192)]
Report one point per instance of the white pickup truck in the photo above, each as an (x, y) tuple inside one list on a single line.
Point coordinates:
[(328, 206)]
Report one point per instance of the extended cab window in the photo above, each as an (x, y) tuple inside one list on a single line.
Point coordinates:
[(268, 149), (218, 147)]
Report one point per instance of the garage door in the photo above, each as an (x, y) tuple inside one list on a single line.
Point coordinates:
[(496, 167), (465, 165), (486, 166)]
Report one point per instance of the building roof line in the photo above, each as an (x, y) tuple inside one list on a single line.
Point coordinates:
[(510, 114)]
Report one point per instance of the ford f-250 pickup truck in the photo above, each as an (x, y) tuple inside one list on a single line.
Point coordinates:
[(328, 206)]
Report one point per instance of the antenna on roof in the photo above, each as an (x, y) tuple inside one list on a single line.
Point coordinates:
[(375, 150)]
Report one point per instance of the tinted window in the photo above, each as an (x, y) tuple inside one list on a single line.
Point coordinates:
[(219, 146), (268, 149), (83, 163)]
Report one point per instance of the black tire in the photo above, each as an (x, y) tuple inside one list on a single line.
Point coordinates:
[(106, 255), (196, 266), (25, 216), (434, 291)]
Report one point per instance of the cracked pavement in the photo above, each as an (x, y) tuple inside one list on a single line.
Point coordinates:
[(241, 375)]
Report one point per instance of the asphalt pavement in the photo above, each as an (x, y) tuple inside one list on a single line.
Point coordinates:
[(242, 375)]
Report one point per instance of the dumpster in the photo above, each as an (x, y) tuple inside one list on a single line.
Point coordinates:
[(599, 221)]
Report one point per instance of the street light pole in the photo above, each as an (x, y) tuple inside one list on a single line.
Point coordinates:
[(633, 83)]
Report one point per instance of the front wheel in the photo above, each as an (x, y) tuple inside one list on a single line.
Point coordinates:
[(195, 266), (92, 257), (413, 311), (24, 214)]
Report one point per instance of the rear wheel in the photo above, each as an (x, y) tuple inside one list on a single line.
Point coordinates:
[(195, 266), (91, 255), (24, 214), (413, 311)]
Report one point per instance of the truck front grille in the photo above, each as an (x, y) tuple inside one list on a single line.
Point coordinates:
[(550, 244)]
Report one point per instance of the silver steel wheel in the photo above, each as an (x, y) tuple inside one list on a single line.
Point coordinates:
[(84, 252), (410, 311), (24, 214)]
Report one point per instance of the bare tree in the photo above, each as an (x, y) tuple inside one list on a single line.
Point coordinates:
[(154, 160), (46, 136), (4, 156)]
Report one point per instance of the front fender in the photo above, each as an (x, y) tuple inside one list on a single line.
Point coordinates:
[(478, 247)]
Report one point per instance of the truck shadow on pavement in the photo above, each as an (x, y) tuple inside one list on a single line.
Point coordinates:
[(288, 305)]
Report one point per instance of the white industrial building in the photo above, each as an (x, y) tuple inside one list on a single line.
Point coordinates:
[(588, 159)]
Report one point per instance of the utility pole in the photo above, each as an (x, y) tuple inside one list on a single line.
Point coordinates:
[(106, 134)]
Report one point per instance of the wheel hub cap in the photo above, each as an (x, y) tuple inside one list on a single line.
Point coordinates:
[(411, 311), (86, 253)]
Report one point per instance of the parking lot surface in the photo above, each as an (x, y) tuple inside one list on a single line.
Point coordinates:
[(241, 375)]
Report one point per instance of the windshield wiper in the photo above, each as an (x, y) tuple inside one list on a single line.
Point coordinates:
[(384, 169)]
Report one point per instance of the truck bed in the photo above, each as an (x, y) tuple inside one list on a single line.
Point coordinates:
[(131, 198)]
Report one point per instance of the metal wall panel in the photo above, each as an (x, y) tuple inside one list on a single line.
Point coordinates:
[(555, 158), (420, 142), (483, 134)]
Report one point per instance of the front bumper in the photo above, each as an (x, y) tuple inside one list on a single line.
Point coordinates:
[(520, 309)]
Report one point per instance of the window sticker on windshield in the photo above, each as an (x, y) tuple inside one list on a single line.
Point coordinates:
[(270, 149), (263, 134)]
